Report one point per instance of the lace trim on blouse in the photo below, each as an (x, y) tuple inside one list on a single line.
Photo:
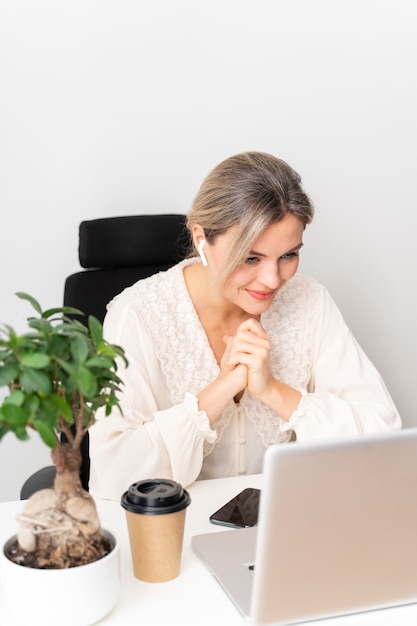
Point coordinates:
[(163, 304)]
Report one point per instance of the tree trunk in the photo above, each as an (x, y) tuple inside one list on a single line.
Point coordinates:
[(60, 527), (67, 460)]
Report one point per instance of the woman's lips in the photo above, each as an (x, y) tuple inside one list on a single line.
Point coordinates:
[(260, 295)]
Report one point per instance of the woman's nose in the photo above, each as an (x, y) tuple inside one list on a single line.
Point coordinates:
[(271, 275)]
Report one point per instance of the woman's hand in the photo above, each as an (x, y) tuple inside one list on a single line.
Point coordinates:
[(231, 380), (236, 374), (251, 347)]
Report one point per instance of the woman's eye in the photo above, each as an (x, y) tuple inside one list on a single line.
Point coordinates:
[(289, 256), (251, 260)]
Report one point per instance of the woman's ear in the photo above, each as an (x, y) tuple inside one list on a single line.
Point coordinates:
[(199, 241), (201, 252)]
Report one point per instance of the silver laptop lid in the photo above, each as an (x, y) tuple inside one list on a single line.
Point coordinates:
[(337, 528)]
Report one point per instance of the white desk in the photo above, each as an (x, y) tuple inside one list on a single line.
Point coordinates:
[(194, 597)]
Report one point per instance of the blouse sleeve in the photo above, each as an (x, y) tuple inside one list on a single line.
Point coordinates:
[(346, 395), (144, 441)]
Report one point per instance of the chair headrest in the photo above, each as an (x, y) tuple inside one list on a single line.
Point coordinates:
[(132, 240)]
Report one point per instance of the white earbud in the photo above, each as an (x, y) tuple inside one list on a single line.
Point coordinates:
[(201, 252)]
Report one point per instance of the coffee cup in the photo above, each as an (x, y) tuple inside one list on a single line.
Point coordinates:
[(155, 515)]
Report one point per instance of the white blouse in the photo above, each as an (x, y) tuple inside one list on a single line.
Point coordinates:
[(163, 434)]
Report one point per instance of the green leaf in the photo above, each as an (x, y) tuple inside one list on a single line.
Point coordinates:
[(46, 432), (57, 346), (63, 310), (106, 348), (33, 380), (37, 360), (40, 324), (73, 325), (79, 349), (21, 433), (111, 403), (85, 381), (8, 373), (4, 429), (66, 366), (4, 353), (99, 361), (6, 329), (59, 406), (49, 416), (34, 303), (15, 397), (15, 415), (31, 403), (96, 330)]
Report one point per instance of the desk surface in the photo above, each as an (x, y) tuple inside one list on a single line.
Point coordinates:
[(194, 597)]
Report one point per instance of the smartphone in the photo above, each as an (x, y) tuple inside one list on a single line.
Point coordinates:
[(241, 511)]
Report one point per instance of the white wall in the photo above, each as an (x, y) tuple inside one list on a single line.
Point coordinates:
[(112, 107)]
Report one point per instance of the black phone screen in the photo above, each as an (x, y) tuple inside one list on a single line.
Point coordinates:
[(241, 511)]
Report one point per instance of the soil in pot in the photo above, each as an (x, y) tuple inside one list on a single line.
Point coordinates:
[(58, 532), (98, 547)]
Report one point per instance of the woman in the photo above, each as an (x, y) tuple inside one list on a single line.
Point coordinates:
[(231, 350)]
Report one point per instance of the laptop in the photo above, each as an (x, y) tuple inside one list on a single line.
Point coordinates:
[(336, 533)]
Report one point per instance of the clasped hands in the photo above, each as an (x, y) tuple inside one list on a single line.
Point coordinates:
[(246, 359)]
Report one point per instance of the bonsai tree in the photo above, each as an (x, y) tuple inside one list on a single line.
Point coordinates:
[(58, 373)]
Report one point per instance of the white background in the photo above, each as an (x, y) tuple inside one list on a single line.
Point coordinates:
[(118, 107)]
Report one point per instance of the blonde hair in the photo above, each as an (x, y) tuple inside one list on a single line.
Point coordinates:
[(250, 191)]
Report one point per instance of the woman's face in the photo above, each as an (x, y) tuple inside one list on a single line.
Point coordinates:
[(272, 261)]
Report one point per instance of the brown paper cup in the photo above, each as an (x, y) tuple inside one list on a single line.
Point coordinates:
[(155, 516), (156, 545)]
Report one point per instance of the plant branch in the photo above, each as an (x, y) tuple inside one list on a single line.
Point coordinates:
[(65, 429)]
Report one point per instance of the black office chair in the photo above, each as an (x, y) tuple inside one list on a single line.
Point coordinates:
[(115, 252)]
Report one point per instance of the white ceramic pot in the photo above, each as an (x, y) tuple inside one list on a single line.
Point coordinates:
[(76, 596)]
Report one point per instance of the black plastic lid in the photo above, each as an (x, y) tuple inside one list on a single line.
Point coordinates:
[(156, 496)]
